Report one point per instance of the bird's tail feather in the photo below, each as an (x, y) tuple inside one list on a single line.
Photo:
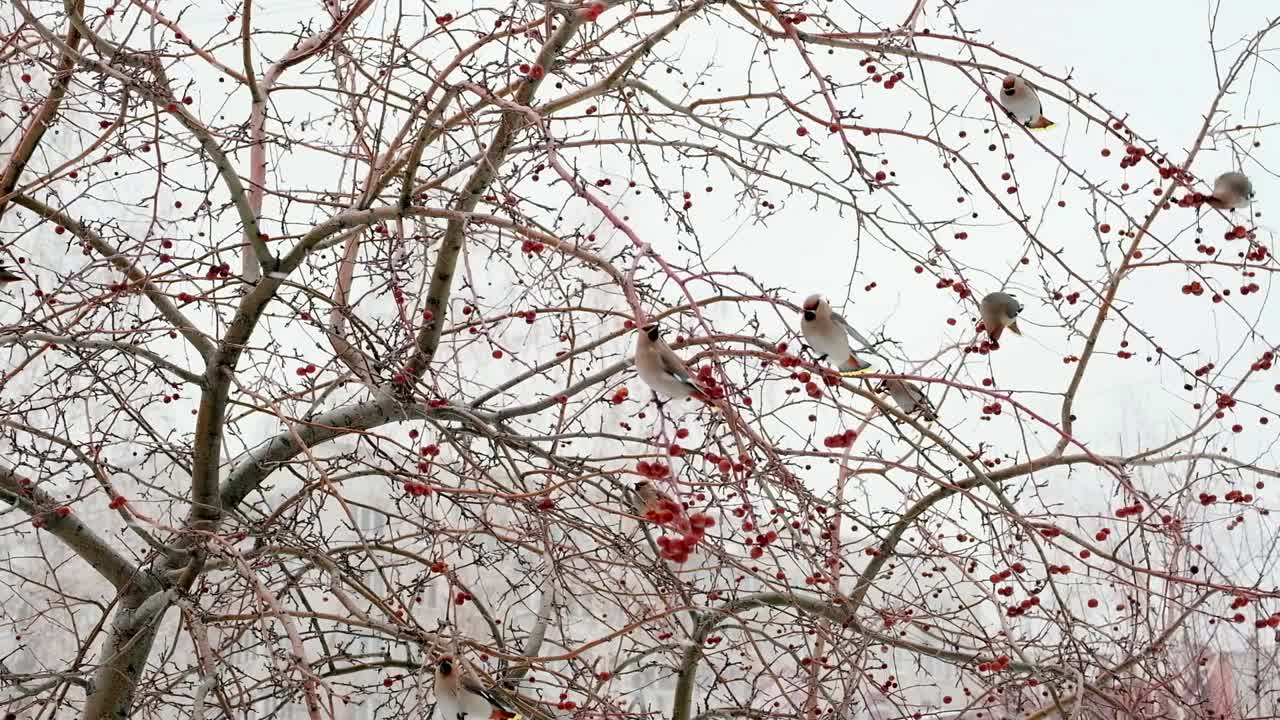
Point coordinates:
[(852, 367), (1043, 123)]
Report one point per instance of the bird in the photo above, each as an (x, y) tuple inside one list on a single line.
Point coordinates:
[(1230, 191), (463, 698), (828, 333), (909, 398), (661, 369), (999, 311), (1020, 100), (654, 504), (7, 275)]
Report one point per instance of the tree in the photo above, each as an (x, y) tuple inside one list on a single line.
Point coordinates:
[(321, 364)]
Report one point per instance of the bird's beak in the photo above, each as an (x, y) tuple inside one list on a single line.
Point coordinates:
[(1008, 91), (810, 315)]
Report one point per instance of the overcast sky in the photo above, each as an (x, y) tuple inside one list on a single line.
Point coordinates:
[(1148, 61)]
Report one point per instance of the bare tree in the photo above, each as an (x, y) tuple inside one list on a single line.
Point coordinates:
[(320, 361)]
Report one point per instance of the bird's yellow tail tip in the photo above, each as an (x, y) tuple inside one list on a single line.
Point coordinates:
[(856, 373)]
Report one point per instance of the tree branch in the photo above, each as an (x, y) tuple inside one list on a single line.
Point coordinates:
[(67, 527)]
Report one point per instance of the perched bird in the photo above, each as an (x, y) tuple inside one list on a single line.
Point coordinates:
[(8, 276), (661, 369), (909, 398), (1230, 191), (1020, 100), (654, 504), (828, 333), (999, 311), (463, 698)]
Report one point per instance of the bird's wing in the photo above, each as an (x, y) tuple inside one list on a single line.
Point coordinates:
[(916, 400), (672, 365), (474, 687), (1001, 306), (848, 330), (903, 392), (919, 396), (901, 395)]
